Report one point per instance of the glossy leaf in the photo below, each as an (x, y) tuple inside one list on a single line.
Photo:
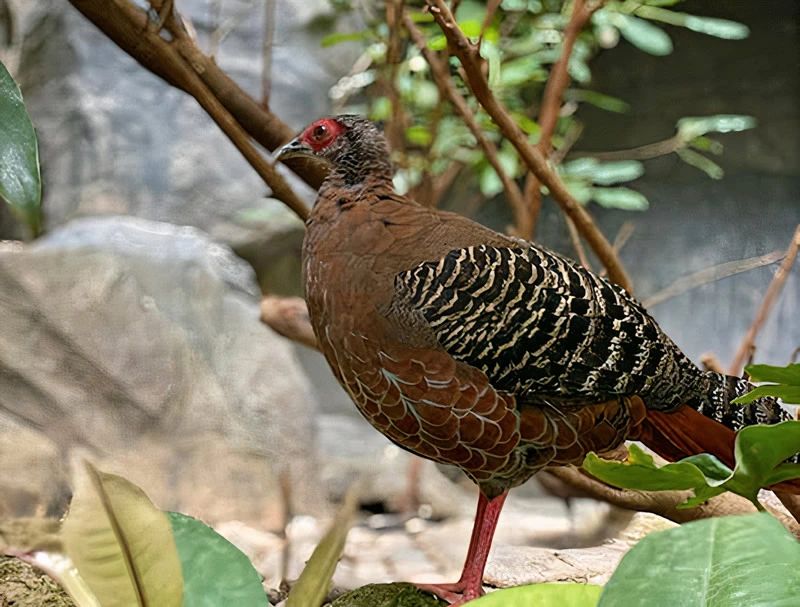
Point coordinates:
[(692, 127), (708, 166), (720, 562), (788, 394), (215, 572), (121, 544), (609, 173), (644, 35), (620, 198), (313, 584), (539, 595), (760, 452), (604, 102), (789, 374), (20, 180), (721, 28), (339, 38)]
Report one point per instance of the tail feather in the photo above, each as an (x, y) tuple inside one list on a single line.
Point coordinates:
[(684, 432)]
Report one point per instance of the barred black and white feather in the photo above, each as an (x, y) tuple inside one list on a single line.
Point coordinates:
[(540, 325)]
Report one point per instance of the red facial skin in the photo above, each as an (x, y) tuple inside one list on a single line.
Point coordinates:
[(320, 134)]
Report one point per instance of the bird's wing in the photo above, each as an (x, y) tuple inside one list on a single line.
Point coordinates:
[(535, 322)]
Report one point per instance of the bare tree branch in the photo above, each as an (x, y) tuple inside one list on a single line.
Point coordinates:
[(770, 297), (532, 156), (447, 90), (180, 62), (266, 51), (712, 274)]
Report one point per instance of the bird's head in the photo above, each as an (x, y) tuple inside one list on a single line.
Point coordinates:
[(353, 147)]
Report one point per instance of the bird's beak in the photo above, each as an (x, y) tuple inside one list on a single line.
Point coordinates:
[(293, 149)]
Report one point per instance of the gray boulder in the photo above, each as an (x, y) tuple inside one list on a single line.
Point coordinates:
[(141, 342)]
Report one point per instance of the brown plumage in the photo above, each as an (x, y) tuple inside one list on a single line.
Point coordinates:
[(475, 349)]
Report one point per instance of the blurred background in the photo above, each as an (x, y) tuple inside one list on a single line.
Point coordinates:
[(130, 331)]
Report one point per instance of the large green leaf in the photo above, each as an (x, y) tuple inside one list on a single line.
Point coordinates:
[(121, 544), (541, 595), (789, 374), (20, 181), (315, 581), (733, 561), (786, 386), (760, 453), (215, 572)]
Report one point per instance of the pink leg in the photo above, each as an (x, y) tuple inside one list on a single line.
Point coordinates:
[(470, 585)]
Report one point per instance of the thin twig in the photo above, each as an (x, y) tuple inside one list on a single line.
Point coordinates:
[(266, 51), (766, 305), (288, 316), (178, 62), (642, 152), (712, 274), (576, 242), (535, 160), (711, 363), (448, 90), (491, 9), (171, 60), (554, 92)]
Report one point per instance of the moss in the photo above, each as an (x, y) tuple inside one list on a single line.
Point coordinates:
[(387, 595), (22, 585)]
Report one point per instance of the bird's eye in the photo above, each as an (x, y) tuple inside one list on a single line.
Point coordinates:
[(319, 132)]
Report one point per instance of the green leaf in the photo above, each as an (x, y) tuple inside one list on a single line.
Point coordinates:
[(121, 544), (539, 595), (313, 584), (733, 561), (706, 144), (437, 43), (644, 35), (334, 39), (421, 17), (760, 452), (691, 127), (788, 394), (215, 572), (20, 180), (789, 374), (609, 173), (620, 198), (604, 102), (418, 135), (490, 183), (721, 28), (708, 166)]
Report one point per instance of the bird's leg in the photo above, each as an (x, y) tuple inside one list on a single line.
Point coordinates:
[(470, 585)]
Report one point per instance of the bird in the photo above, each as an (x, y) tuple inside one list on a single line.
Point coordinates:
[(484, 351)]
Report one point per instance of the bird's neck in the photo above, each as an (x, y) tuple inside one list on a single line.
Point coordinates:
[(357, 169)]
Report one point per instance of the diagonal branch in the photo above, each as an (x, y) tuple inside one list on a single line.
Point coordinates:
[(447, 90), (533, 157), (180, 62), (554, 92)]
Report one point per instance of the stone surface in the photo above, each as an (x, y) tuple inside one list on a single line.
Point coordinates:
[(22, 585), (141, 341)]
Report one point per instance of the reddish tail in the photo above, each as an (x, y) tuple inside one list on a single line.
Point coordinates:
[(685, 432)]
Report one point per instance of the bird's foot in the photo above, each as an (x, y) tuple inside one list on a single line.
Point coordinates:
[(456, 594)]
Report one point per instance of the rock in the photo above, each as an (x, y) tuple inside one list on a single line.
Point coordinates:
[(141, 341), (511, 566), (23, 585), (115, 139), (387, 595), (353, 449)]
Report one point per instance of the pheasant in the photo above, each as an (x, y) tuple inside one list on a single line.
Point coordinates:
[(484, 351)]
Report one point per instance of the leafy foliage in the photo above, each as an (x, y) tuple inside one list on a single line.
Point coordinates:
[(20, 181), (536, 595), (520, 44), (760, 451), (784, 383), (122, 544), (215, 572), (734, 560)]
